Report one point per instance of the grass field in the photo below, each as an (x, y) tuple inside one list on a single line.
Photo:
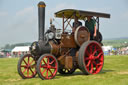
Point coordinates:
[(115, 72)]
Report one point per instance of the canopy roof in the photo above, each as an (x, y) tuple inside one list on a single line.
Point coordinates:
[(79, 13)]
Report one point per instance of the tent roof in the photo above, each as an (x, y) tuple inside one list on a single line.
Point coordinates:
[(80, 14), (20, 49)]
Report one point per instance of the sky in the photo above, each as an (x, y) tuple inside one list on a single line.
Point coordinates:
[(19, 18)]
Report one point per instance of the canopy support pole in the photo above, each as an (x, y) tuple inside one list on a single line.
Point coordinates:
[(63, 23), (97, 20)]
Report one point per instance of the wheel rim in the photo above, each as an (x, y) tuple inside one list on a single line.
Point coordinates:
[(27, 66), (48, 67), (93, 58)]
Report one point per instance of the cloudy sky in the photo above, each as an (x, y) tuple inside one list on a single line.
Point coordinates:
[(19, 18)]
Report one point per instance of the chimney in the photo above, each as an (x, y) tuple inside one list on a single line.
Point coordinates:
[(41, 18)]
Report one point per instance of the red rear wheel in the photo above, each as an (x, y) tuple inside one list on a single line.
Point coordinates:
[(91, 57), (27, 66), (47, 66)]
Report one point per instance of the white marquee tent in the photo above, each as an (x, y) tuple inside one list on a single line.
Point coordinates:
[(107, 48), (21, 49)]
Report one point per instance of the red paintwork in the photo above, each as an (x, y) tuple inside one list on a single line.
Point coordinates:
[(31, 71), (94, 58), (48, 67)]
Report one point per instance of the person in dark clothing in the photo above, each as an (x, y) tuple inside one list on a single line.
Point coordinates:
[(91, 25), (76, 24)]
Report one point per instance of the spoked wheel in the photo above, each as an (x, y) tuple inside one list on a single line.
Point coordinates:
[(27, 66), (66, 71), (91, 58), (47, 66)]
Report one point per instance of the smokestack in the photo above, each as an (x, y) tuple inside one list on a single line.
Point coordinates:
[(41, 18)]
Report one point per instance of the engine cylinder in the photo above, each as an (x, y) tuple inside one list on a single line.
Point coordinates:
[(40, 47)]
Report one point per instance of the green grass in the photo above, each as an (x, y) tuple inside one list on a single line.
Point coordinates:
[(115, 72)]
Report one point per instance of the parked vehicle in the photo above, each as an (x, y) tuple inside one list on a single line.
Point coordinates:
[(63, 52)]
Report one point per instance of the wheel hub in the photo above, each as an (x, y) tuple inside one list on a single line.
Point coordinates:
[(48, 67), (29, 67), (92, 57)]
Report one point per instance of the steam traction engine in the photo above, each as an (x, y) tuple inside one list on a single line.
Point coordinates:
[(63, 52)]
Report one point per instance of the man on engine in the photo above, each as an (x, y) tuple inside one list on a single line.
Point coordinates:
[(76, 23), (91, 25)]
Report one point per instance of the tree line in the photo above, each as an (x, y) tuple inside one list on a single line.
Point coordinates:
[(11, 46)]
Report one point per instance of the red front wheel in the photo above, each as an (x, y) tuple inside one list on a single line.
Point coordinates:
[(27, 66), (91, 57), (47, 66)]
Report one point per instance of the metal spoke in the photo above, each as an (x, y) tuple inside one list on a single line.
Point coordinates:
[(31, 62), (25, 62), (43, 71), (44, 62), (90, 47), (99, 64), (101, 60), (47, 74), (95, 47), (87, 58), (27, 72), (51, 72), (52, 62), (47, 61), (24, 70), (100, 67), (53, 67), (95, 63), (94, 52), (34, 65), (43, 66), (91, 68), (88, 63), (23, 66), (94, 71), (98, 55), (87, 52), (28, 60), (31, 71)]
